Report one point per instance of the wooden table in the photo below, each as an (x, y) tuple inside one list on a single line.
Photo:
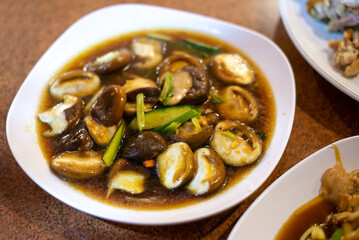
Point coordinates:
[(28, 28)]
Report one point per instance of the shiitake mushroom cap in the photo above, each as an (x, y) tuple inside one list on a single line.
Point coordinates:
[(142, 146), (109, 108), (74, 82), (110, 61)]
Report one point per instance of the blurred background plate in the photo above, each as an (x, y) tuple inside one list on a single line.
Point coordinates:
[(311, 40)]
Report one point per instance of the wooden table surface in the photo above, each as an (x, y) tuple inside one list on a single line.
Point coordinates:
[(28, 28)]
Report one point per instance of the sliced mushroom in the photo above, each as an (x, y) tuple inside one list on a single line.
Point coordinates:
[(128, 181), (126, 177), (143, 146), (148, 51), (190, 86), (199, 91), (236, 143), (175, 165), (100, 133), (238, 104), (210, 172), (176, 62), (78, 139), (182, 83), (62, 116), (109, 62), (190, 83), (209, 118), (75, 82), (193, 136), (109, 107), (78, 165), (118, 165), (138, 85), (232, 68)]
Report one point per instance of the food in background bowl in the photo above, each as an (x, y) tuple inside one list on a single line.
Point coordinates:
[(334, 214), (346, 52), (156, 118), (340, 15)]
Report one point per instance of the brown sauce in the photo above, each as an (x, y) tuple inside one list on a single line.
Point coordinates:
[(314, 212), (157, 197)]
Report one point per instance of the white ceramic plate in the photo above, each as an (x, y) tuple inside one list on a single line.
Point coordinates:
[(293, 189), (311, 39), (119, 19)]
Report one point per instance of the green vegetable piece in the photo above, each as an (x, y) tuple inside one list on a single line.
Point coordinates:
[(196, 123), (181, 119), (167, 89), (159, 36), (114, 145), (228, 134), (216, 98), (171, 128), (140, 109), (202, 46), (150, 73), (337, 234), (188, 47), (160, 118), (261, 135)]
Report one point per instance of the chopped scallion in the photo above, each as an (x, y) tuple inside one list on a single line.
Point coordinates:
[(261, 135), (203, 46), (196, 123), (195, 111), (114, 145), (228, 134), (171, 128), (202, 49), (216, 98), (143, 200), (337, 234), (159, 36), (140, 110), (167, 89), (150, 73)]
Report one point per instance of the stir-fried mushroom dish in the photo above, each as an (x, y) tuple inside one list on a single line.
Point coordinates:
[(153, 119), (340, 16), (334, 214)]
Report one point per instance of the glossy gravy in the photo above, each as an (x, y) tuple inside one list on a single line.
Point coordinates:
[(313, 212), (156, 196)]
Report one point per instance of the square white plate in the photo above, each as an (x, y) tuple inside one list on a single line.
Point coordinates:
[(116, 20)]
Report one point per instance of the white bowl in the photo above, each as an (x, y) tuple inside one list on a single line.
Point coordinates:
[(113, 21), (293, 189)]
